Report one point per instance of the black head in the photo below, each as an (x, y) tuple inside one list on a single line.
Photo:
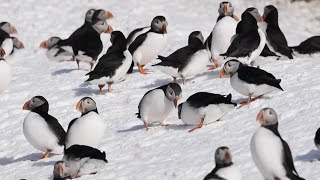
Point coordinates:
[(267, 116), (37, 103), (223, 156), (86, 104), (270, 14), (195, 38), (159, 25), (230, 68), (173, 92), (101, 14), (88, 16), (226, 9), (254, 12), (8, 28), (118, 40)]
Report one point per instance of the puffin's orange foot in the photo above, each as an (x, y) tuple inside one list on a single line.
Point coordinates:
[(46, 155)]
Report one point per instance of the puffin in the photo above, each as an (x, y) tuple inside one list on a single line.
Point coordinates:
[(187, 61), (5, 72), (204, 108), (89, 128), (309, 46), (249, 81), (43, 131), (276, 40), (17, 44), (220, 38), (317, 140), (156, 104), (7, 27), (270, 153), (79, 160), (148, 45), (55, 52), (112, 66), (6, 42), (225, 169), (249, 40)]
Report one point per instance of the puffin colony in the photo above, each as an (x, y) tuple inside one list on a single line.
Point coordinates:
[(234, 45)]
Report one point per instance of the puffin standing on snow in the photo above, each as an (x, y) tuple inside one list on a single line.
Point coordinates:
[(220, 38), (225, 169), (188, 61), (204, 108), (249, 40), (309, 46), (89, 128), (147, 46), (276, 40), (42, 130), (5, 72), (271, 154), (156, 104), (113, 65), (55, 52), (79, 160), (249, 81)]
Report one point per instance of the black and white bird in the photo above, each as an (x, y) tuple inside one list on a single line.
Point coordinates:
[(317, 139), (5, 73), (271, 154), (204, 108), (276, 40), (157, 104), (42, 130), (186, 62), (225, 169), (147, 46), (249, 40), (309, 46), (55, 52), (17, 44), (249, 81), (79, 160), (6, 42), (89, 128), (220, 38), (112, 66)]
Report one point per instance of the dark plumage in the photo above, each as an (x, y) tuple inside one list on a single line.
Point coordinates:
[(82, 151), (317, 139), (309, 46), (266, 52), (203, 99)]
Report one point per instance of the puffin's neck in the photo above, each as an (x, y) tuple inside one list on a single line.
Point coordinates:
[(273, 128), (218, 166), (44, 108), (95, 110)]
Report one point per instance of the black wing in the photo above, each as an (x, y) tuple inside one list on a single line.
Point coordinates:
[(208, 41), (82, 29), (212, 175), (278, 41), (258, 76), (134, 32), (266, 52), (202, 99), (82, 151), (137, 42), (309, 46), (71, 122), (3, 36)]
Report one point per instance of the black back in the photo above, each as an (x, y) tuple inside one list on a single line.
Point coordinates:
[(317, 138), (287, 156), (203, 99), (53, 123), (3, 35), (133, 33), (112, 60), (212, 175), (82, 151), (309, 46), (257, 76)]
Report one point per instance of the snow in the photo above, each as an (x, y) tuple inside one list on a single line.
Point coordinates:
[(162, 152)]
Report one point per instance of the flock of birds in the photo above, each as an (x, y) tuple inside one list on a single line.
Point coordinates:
[(233, 44)]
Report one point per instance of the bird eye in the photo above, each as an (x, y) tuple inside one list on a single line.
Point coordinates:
[(270, 113), (230, 5)]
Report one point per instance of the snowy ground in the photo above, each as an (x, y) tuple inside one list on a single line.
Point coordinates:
[(160, 153)]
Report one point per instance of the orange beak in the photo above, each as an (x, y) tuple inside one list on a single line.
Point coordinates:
[(222, 73), (13, 30), (43, 45), (79, 106), (176, 101), (261, 19), (225, 9), (60, 170), (164, 28), (25, 106), (259, 116), (228, 155), (21, 45), (110, 29), (109, 15), (2, 52)]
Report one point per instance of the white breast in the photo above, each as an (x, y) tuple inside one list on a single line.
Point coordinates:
[(155, 106), (221, 37), (230, 173), (196, 65), (258, 51), (267, 153), (150, 48), (37, 132), (7, 46), (5, 75), (169, 70), (123, 69), (86, 130)]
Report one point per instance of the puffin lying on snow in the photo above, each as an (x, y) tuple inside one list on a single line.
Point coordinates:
[(188, 61), (55, 52), (42, 130), (147, 46), (309, 46), (89, 128), (249, 81), (112, 66), (79, 160), (6, 42), (271, 154), (204, 108), (157, 104), (225, 169)]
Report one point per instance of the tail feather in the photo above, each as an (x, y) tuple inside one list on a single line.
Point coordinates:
[(138, 115)]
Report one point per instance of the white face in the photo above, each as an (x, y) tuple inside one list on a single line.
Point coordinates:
[(86, 104), (101, 26), (52, 41), (231, 67), (223, 155), (267, 116), (159, 25), (226, 9), (8, 28), (89, 15)]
